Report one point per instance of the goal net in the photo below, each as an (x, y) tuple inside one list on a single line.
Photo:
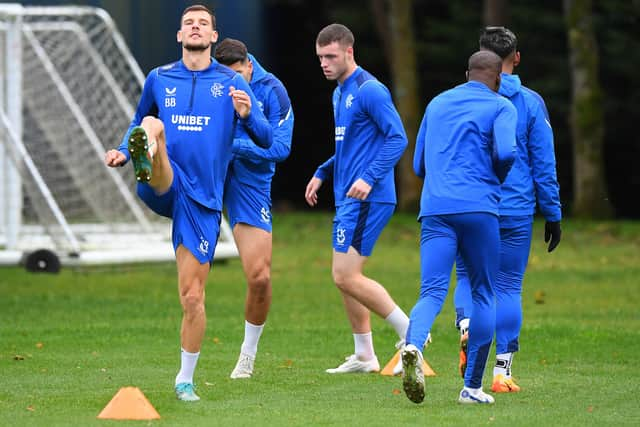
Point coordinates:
[(68, 91)]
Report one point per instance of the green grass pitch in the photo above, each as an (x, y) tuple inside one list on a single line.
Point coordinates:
[(69, 342)]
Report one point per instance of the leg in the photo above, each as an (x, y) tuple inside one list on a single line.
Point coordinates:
[(192, 277), (463, 305), (357, 227), (479, 248), (348, 277), (369, 294), (195, 230), (462, 294), (515, 244), (438, 245), (254, 245), (162, 173)]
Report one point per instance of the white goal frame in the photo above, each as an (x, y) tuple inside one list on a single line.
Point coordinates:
[(96, 237)]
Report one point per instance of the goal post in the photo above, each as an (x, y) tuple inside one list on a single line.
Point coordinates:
[(67, 94)]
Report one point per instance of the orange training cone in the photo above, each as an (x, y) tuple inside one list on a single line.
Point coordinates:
[(129, 404), (388, 369)]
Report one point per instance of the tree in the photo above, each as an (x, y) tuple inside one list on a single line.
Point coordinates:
[(587, 117), (496, 12), (394, 22)]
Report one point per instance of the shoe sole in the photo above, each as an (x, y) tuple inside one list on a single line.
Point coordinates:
[(138, 149), (188, 399), (474, 402), (413, 388), (466, 398)]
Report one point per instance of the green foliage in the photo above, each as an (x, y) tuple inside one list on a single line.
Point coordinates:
[(68, 342)]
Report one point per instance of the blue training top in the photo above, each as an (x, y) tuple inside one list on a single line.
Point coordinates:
[(369, 136), (533, 175), (199, 123), (252, 165), (464, 150)]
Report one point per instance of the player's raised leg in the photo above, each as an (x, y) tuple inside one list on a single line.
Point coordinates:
[(148, 150)]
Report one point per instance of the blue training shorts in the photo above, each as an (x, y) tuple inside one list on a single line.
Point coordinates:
[(194, 226), (359, 224), (247, 205)]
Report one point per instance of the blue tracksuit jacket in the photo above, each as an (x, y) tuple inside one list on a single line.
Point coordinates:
[(196, 108), (253, 165), (533, 175), (464, 150), (369, 137)]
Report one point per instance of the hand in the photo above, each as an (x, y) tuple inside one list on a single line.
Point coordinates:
[(359, 190), (113, 158), (241, 102), (552, 231), (311, 193)]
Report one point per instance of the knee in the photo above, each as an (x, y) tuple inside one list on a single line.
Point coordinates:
[(192, 302), (342, 278), (259, 281), (153, 125)]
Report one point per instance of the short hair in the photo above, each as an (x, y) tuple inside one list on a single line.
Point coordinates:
[(485, 61), (199, 8), (229, 51), (499, 40), (335, 33)]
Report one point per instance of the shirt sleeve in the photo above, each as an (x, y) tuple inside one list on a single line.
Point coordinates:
[(146, 107), (377, 102), (543, 163), (255, 123), (504, 139), (280, 117), (325, 170), (418, 154)]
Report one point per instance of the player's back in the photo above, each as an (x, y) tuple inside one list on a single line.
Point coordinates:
[(459, 174)]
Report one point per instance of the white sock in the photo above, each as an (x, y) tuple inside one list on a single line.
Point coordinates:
[(149, 150), (364, 346), (473, 391), (252, 335), (399, 320), (463, 325), (503, 364), (187, 366)]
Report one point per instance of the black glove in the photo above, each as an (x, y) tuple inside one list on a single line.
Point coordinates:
[(552, 231)]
